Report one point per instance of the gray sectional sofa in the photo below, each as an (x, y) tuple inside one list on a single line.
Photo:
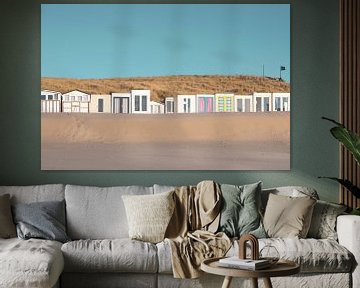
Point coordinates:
[(101, 254)]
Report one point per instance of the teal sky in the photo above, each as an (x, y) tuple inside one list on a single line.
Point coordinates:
[(131, 40)]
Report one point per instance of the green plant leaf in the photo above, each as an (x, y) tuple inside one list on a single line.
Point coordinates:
[(347, 184), (348, 138)]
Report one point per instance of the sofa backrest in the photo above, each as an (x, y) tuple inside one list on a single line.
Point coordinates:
[(98, 212), (293, 191), (36, 193)]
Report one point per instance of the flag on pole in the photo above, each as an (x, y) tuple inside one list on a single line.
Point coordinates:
[(282, 68)]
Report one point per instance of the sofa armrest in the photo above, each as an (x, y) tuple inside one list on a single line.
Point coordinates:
[(348, 230)]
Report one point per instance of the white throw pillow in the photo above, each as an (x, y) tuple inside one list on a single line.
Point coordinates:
[(149, 215)]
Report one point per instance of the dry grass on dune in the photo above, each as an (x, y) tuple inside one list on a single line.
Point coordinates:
[(164, 86)]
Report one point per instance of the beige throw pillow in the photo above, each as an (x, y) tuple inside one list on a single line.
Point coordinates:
[(7, 226), (288, 217), (149, 215)]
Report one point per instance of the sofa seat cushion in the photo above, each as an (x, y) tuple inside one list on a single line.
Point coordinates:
[(30, 263), (313, 255), (115, 255)]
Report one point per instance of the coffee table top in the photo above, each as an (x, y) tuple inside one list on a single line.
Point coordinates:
[(281, 268)]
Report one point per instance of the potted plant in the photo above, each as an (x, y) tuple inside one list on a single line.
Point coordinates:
[(351, 141)]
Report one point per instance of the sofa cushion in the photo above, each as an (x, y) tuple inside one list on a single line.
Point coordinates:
[(37, 193), (313, 255), (98, 213), (323, 222), (287, 216), (30, 263), (149, 215), (240, 210), (163, 188), (43, 220), (117, 255), (291, 191), (7, 227)]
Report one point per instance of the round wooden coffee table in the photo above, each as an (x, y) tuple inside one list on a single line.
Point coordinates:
[(281, 268)]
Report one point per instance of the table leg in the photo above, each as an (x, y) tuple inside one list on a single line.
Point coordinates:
[(267, 283), (227, 282), (254, 282)]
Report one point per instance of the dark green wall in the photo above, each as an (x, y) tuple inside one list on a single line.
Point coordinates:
[(314, 92)]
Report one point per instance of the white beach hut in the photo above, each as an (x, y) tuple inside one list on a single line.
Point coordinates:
[(185, 104), (281, 101), (140, 101), (169, 105), (50, 101), (75, 102), (121, 103), (224, 102), (262, 102), (156, 108), (243, 103), (205, 103), (100, 103)]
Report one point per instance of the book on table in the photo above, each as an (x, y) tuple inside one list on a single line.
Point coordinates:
[(249, 264)]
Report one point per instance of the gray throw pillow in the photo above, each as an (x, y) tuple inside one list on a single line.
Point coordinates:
[(7, 227), (44, 220), (323, 222), (240, 213)]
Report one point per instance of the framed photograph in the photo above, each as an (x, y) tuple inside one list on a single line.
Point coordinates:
[(165, 87)]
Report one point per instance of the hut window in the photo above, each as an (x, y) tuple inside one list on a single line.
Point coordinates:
[(258, 104), (169, 106), (50, 97), (79, 98), (72, 98), (247, 105), (267, 104), (137, 103), (240, 105), (277, 104), (43, 97), (286, 104), (143, 102)]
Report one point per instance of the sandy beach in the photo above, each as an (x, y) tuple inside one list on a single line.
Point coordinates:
[(211, 141)]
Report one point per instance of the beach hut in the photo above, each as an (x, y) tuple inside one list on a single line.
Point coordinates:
[(169, 105), (100, 103), (262, 102), (224, 102), (281, 101), (156, 108), (185, 104), (140, 101), (121, 103), (75, 102), (50, 101), (243, 103), (205, 103)]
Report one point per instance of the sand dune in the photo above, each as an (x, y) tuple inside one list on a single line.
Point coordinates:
[(214, 141), (164, 86)]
